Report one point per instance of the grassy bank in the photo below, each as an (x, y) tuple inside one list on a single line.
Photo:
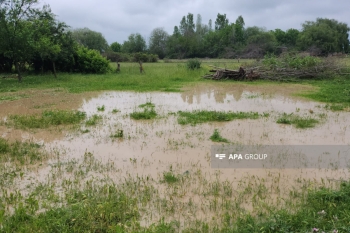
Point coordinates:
[(170, 76)]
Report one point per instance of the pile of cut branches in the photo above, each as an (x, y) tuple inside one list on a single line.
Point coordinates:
[(238, 75), (288, 68)]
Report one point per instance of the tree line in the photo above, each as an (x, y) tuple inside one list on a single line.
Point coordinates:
[(33, 37), (191, 38)]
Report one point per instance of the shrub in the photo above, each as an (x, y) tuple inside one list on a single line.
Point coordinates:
[(91, 61), (193, 64)]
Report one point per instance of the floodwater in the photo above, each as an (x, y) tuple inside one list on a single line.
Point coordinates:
[(150, 147)]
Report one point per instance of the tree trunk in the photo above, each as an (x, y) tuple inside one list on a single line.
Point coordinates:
[(18, 71), (54, 68)]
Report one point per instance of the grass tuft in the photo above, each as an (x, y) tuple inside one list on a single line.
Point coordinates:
[(47, 119), (101, 108), (297, 121), (216, 137), (202, 116), (93, 120), (147, 113)]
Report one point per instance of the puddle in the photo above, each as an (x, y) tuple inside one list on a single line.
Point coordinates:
[(150, 147)]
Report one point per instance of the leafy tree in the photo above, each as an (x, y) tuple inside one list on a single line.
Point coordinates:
[(221, 21), (90, 39), (329, 35), (157, 42), (291, 37), (239, 30), (187, 25), (116, 47), (135, 43), (280, 36), (260, 40), (48, 36), (16, 23)]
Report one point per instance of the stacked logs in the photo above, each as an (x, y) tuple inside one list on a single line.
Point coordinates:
[(238, 75)]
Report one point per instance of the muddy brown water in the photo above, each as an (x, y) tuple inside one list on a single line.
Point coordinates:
[(156, 145)]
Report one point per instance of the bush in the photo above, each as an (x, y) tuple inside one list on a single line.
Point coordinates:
[(91, 61), (193, 64), (290, 61)]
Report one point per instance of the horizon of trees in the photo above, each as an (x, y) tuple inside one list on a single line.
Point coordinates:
[(193, 38)]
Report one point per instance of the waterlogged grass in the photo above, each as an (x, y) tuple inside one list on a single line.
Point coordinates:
[(216, 137), (297, 121), (147, 113), (86, 203), (202, 116), (22, 152), (101, 108), (170, 178), (47, 119), (93, 120), (147, 105)]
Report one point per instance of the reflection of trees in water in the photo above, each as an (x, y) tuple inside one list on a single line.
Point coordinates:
[(219, 94), (237, 93), (196, 92)]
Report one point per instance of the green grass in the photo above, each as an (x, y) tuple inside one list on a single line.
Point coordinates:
[(202, 116), (118, 134), (335, 91), (170, 178), (107, 209), (23, 152), (216, 137), (158, 77), (147, 105), (297, 121), (12, 97), (101, 108), (147, 113), (93, 120), (47, 119)]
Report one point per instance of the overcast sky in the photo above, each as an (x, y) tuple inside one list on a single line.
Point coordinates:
[(117, 19)]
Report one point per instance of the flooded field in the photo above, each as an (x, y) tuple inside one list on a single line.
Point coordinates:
[(165, 164)]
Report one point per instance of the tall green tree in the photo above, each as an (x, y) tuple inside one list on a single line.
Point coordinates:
[(329, 35), (221, 21), (291, 37), (280, 36), (239, 30), (157, 42), (16, 23), (90, 39), (135, 43), (187, 26), (116, 47)]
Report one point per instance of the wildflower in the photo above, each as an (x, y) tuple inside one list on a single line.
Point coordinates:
[(335, 231), (315, 229)]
